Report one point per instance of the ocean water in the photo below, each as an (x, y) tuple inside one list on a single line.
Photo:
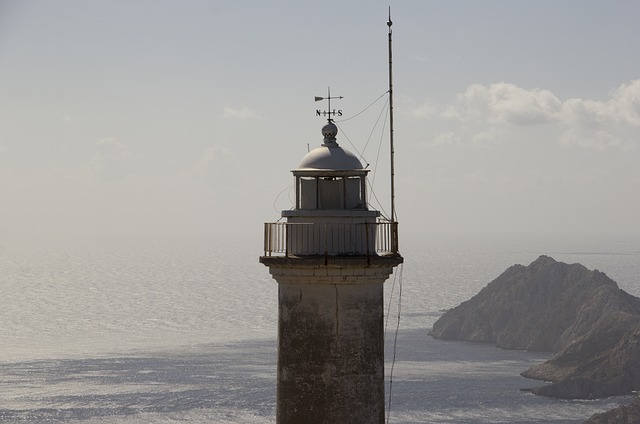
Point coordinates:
[(174, 331)]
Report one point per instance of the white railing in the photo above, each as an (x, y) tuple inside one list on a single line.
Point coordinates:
[(332, 239)]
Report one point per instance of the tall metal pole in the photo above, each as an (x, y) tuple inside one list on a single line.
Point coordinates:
[(393, 195)]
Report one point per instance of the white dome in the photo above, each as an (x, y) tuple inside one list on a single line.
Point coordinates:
[(330, 158)]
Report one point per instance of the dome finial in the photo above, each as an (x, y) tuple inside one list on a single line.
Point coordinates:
[(329, 132)]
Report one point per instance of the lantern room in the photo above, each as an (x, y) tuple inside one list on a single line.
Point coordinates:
[(331, 214), (330, 177)]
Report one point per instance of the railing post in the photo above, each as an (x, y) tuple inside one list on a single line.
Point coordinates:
[(388, 237), (366, 240), (395, 237), (366, 236), (265, 242), (286, 239), (326, 244)]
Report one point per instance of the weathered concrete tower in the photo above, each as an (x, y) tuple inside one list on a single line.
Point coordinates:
[(330, 258)]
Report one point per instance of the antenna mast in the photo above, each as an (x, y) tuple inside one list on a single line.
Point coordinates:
[(393, 195)]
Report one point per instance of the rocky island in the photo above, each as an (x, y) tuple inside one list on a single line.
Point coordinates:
[(628, 414), (591, 326)]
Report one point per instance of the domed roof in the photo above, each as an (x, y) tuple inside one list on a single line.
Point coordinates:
[(330, 155)]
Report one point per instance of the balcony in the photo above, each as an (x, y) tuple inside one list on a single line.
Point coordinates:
[(330, 239)]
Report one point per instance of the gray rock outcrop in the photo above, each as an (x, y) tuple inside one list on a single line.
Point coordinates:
[(626, 414), (591, 325), (603, 362)]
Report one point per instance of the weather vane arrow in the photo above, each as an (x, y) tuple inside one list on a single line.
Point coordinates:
[(329, 112)]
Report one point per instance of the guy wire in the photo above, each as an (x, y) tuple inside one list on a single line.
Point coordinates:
[(363, 110), (395, 341)]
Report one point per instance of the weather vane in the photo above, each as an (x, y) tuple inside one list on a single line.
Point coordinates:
[(329, 112)]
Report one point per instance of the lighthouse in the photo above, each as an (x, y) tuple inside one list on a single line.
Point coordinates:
[(330, 255)]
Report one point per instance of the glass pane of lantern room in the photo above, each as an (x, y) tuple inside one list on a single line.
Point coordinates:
[(353, 197), (330, 193), (308, 193)]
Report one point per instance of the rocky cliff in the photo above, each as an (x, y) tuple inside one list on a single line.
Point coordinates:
[(582, 316), (628, 414), (603, 362)]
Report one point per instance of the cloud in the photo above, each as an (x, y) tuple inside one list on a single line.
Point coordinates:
[(488, 112), (113, 160), (446, 138), (603, 125), (626, 103), (424, 110), (504, 103), (242, 113), (594, 140), (491, 136), (623, 108), (409, 107)]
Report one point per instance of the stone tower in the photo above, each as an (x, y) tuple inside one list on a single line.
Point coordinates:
[(330, 259)]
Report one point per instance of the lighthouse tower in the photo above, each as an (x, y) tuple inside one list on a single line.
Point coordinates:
[(330, 259)]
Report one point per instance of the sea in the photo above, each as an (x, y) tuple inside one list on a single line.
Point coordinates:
[(177, 330)]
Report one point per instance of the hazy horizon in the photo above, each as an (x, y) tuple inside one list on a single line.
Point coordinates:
[(158, 118)]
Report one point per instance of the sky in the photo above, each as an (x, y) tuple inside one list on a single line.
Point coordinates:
[(163, 118)]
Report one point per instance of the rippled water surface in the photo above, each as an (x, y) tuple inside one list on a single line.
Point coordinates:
[(184, 331)]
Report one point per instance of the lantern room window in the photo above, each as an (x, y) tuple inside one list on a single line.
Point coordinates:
[(330, 192)]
